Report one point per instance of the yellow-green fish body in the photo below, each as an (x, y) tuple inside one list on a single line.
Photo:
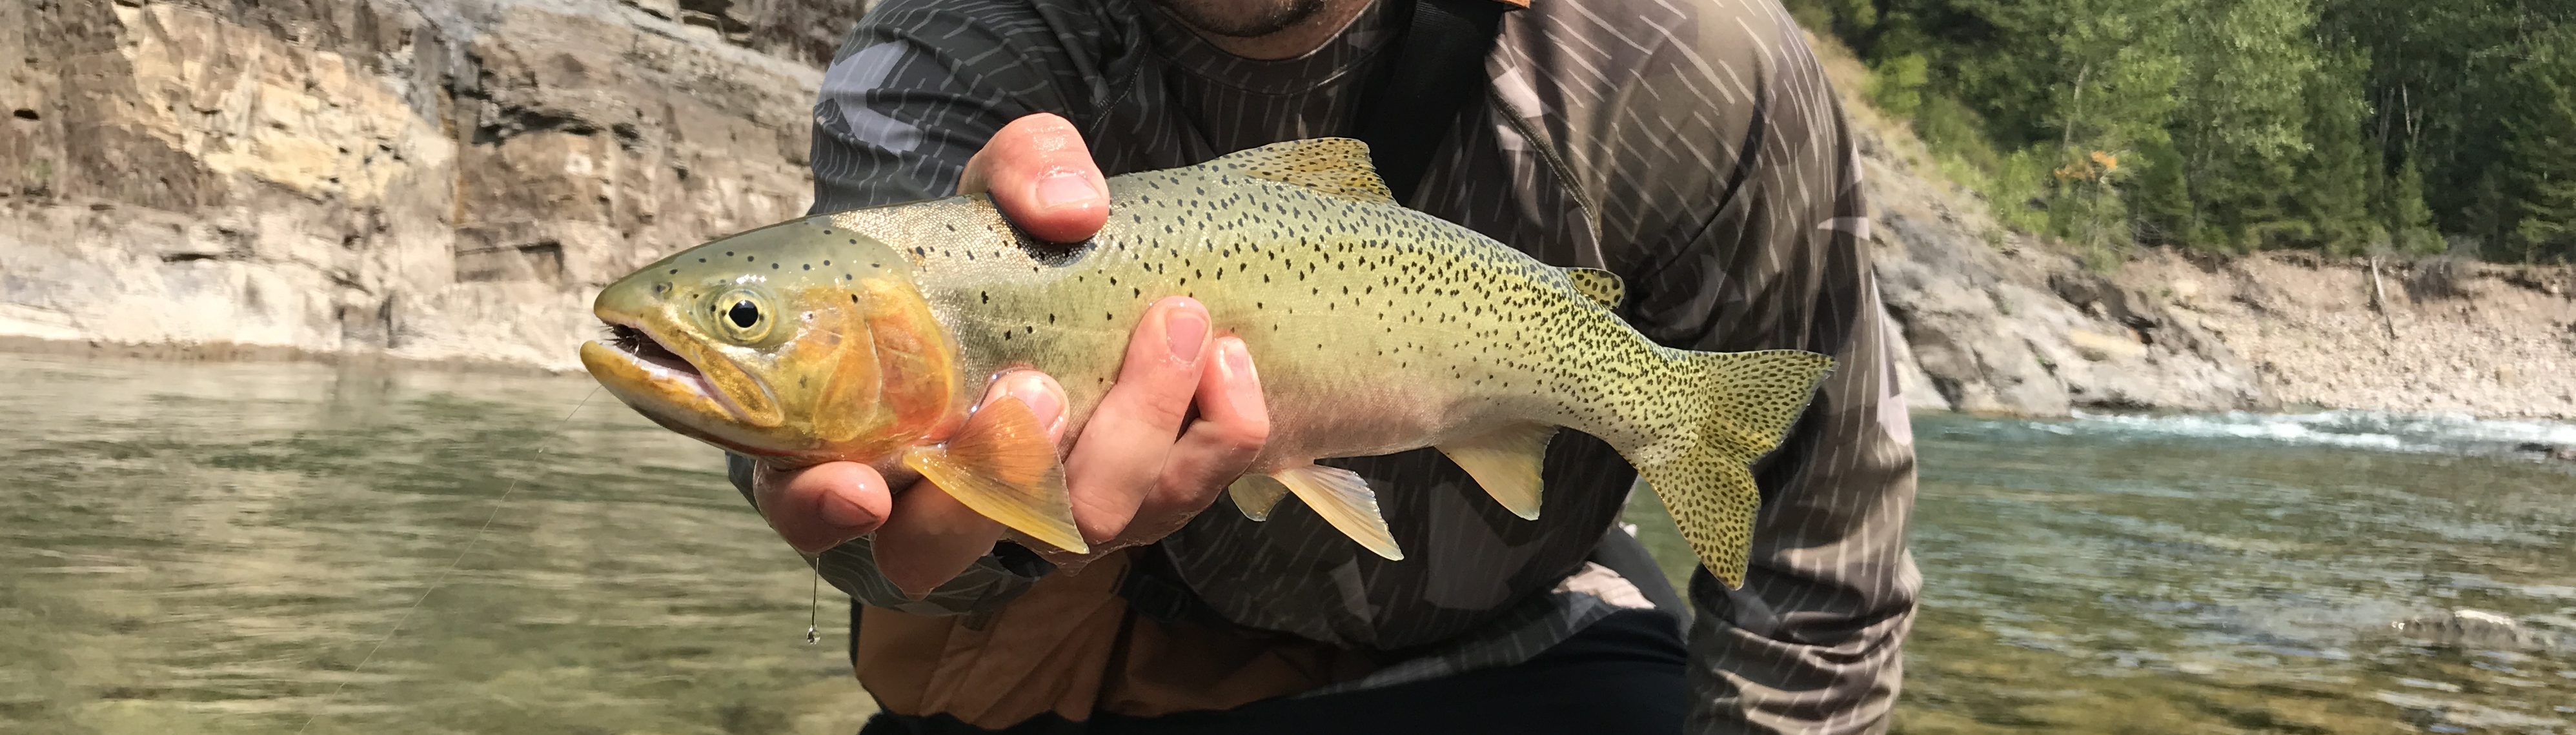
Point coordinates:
[(1376, 329)]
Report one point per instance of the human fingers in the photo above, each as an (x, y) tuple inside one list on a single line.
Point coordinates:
[(1233, 423), (1119, 455), (816, 508), (1042, 177)]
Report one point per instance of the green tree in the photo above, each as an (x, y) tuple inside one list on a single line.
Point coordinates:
[(2338, 178), (2250, 62), (2541, 152), (2333, 124)]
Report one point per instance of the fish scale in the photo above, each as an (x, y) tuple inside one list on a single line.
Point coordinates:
[(1376, 329)]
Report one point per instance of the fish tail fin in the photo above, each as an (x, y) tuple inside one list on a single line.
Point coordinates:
[(1734, 408)]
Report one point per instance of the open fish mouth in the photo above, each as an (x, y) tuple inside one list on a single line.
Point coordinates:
[(643, 348), (645, 356)]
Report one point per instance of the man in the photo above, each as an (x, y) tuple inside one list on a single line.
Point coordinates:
[(1690, 146)]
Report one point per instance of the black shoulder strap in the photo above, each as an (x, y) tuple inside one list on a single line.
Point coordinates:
[(1437, 69)]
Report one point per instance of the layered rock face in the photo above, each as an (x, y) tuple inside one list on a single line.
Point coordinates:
[(453, 179), (1998, 324), (441, 179)]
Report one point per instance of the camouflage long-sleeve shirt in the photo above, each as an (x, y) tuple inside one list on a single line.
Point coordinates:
[(1691, 146)]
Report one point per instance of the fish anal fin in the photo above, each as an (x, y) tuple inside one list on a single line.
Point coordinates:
[(1255, 495), (1344, 500), (1603, 286), (1334, 166), (1506, 463), (1001, 465)]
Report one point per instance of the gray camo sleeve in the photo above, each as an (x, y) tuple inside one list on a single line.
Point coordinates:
[(1742, 201)]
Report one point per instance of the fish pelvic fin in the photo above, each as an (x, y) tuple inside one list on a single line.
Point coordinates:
[(1335, 166), (1506, 463), (1255, 495), (1344, 500), (1743, 405), (1001, 465), (1602, 286)]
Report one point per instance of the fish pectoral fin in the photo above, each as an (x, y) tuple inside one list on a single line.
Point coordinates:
[(1506, 462), (1255, 495), (1002, 466), (1603, 286), (1335, 166), (1344, 500)]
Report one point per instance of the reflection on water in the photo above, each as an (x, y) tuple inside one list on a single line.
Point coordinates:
[(215, 548), (2232, 574)]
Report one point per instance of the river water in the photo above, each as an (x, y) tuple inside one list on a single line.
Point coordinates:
[(191, 548)]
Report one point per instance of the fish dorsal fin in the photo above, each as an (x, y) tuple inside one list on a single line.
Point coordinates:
[(1343, 498), (1603, 286), (1506, 463), (1335, 166)]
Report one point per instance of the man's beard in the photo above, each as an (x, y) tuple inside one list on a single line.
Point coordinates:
[(1242, 18)]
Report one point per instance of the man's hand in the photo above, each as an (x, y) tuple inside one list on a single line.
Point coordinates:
[(1142, 466)]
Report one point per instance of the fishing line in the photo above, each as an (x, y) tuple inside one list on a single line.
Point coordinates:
[(441, 581)]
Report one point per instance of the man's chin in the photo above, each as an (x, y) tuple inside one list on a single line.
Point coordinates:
[(1242, 18)]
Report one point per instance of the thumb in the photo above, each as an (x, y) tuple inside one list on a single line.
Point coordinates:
[(1042, 177)]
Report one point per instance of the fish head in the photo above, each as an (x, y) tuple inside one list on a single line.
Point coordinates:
[(799, 343)]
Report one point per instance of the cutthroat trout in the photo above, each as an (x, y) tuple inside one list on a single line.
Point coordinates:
[(867, 336)]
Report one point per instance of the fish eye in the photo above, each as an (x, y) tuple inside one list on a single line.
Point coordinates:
[(741, 314)]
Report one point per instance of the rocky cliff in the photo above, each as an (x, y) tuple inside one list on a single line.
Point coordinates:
[(449, 180), (439, 179)]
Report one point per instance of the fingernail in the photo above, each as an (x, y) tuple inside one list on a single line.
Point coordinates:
[(1042, 403), (1238, 362), (1238, 369), (839, 512), (1187, 329), (1066, 188)]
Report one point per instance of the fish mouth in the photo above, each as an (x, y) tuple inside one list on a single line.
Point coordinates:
[(649, 361), (642, 347)]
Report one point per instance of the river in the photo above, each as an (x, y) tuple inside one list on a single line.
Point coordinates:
[(273, 547)]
